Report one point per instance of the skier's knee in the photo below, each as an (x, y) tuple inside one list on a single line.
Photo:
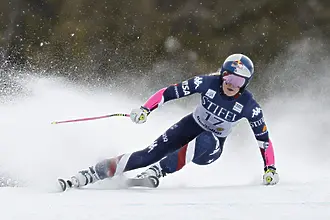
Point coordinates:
[(208, 157), (204, 162), (102, 168)]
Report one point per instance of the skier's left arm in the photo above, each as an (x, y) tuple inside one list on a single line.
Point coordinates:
[(260, 130)]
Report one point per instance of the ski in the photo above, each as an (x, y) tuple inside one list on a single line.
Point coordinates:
[(149, 182), (64, 184)]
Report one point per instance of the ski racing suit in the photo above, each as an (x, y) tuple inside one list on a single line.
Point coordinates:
[(209, 124)]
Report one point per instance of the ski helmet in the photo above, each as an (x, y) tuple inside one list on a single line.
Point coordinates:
[(240, 67)]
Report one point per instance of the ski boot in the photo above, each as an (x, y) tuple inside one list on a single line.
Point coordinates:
[(82, 178), (148, 178)]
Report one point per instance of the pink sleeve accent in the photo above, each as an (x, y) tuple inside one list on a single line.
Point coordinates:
[(269, 155), (155, 100)]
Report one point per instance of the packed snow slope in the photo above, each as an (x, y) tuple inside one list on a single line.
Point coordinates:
[(35, 153)]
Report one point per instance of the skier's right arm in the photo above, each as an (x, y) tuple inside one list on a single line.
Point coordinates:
[(176, 91)]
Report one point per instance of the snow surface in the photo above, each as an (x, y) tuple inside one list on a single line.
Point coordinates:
[(35, 153)]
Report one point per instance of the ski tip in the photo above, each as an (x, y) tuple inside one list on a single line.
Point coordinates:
[(62, 184)]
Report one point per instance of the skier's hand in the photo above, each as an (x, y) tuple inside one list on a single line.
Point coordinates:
[(139, 115), (270, 176)]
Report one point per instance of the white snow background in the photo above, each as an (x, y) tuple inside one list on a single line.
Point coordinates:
[(36, 153)]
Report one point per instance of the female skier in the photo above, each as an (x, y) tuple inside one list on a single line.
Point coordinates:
[(224, 102)]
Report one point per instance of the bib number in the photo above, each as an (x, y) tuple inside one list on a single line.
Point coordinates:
[(213, 118)]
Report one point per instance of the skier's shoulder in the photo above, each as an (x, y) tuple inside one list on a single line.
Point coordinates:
[(248, 96), (207, 78), (205, 81), (251, 104)]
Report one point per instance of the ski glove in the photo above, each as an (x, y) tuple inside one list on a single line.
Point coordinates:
[(270, 176), (139, 115)]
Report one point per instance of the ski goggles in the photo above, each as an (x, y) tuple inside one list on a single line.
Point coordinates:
[(234, 80)]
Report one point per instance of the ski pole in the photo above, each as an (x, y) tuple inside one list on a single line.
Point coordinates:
[(91, 118)]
